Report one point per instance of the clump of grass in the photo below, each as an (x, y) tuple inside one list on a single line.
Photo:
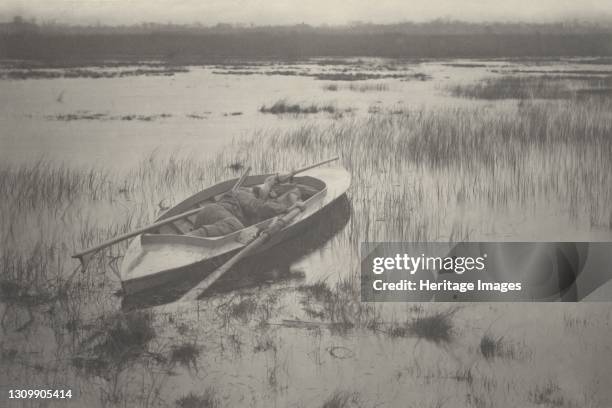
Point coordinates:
[(318, 299), (185, 354), (243, 309), (44, 183), (573, 322), (342, 399), (536, 87), (85, 115), (367, 87), (330, 87), (339, 305), (208, 399), (236, 166), (320, 291), (464, 375), (361, 87), (21, 74), (282, 106), (398, 331), (547, 394), (118, 340), (512, 87), (491, 347), (196, 116), (436, 327), (264, 344), (361, 76)]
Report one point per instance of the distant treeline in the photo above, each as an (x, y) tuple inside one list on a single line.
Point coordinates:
[(408, 40)]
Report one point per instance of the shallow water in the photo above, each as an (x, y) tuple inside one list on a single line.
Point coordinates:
[(262, 341), (200, 104)]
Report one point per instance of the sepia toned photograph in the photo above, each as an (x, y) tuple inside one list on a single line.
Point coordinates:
[(306, 204)]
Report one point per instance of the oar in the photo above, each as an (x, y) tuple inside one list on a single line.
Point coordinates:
[(287, 176), (241, 179), (81, 256), (273, 228)]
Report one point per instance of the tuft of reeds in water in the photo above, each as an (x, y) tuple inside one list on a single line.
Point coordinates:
[(512, 87), (320, 291), (361, 76), (342, 399), (497, 347), (330, 87), (282, 106), (243, 309), (358, 87), (185, 354), (368, 87), (547, 394), (208, 399), (489, 347), (436, 327), (534, 87), (47, 183), (118, 340), (29, 73)]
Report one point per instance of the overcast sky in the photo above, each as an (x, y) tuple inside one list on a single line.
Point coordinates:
[(297, 11)]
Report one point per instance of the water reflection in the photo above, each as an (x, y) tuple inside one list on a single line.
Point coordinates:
[(273, 266)]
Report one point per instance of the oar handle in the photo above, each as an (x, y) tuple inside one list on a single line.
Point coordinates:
[(241, 179), (312, 166)]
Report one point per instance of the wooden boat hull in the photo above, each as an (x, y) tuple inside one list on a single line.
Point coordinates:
[(153, 260)]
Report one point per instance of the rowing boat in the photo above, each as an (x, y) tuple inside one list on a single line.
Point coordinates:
[(168, 253)]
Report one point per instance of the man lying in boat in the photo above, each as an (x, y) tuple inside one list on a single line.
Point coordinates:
[(247, 206)]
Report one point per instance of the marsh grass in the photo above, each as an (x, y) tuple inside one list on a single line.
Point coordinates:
[(122, 336), (185, 354), (344, 75), (358, 87), (319, 291), (342, 399), (547, 394), (243, 309), (98, 73), (535, 87), (368, 87), (44, 183), (208, 399), (86, 115), (492, 347), (576, 322), (413, 173), (489, 346), (282, 106), (436, 327), (512, 87), (362, 76), (331, 87)]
